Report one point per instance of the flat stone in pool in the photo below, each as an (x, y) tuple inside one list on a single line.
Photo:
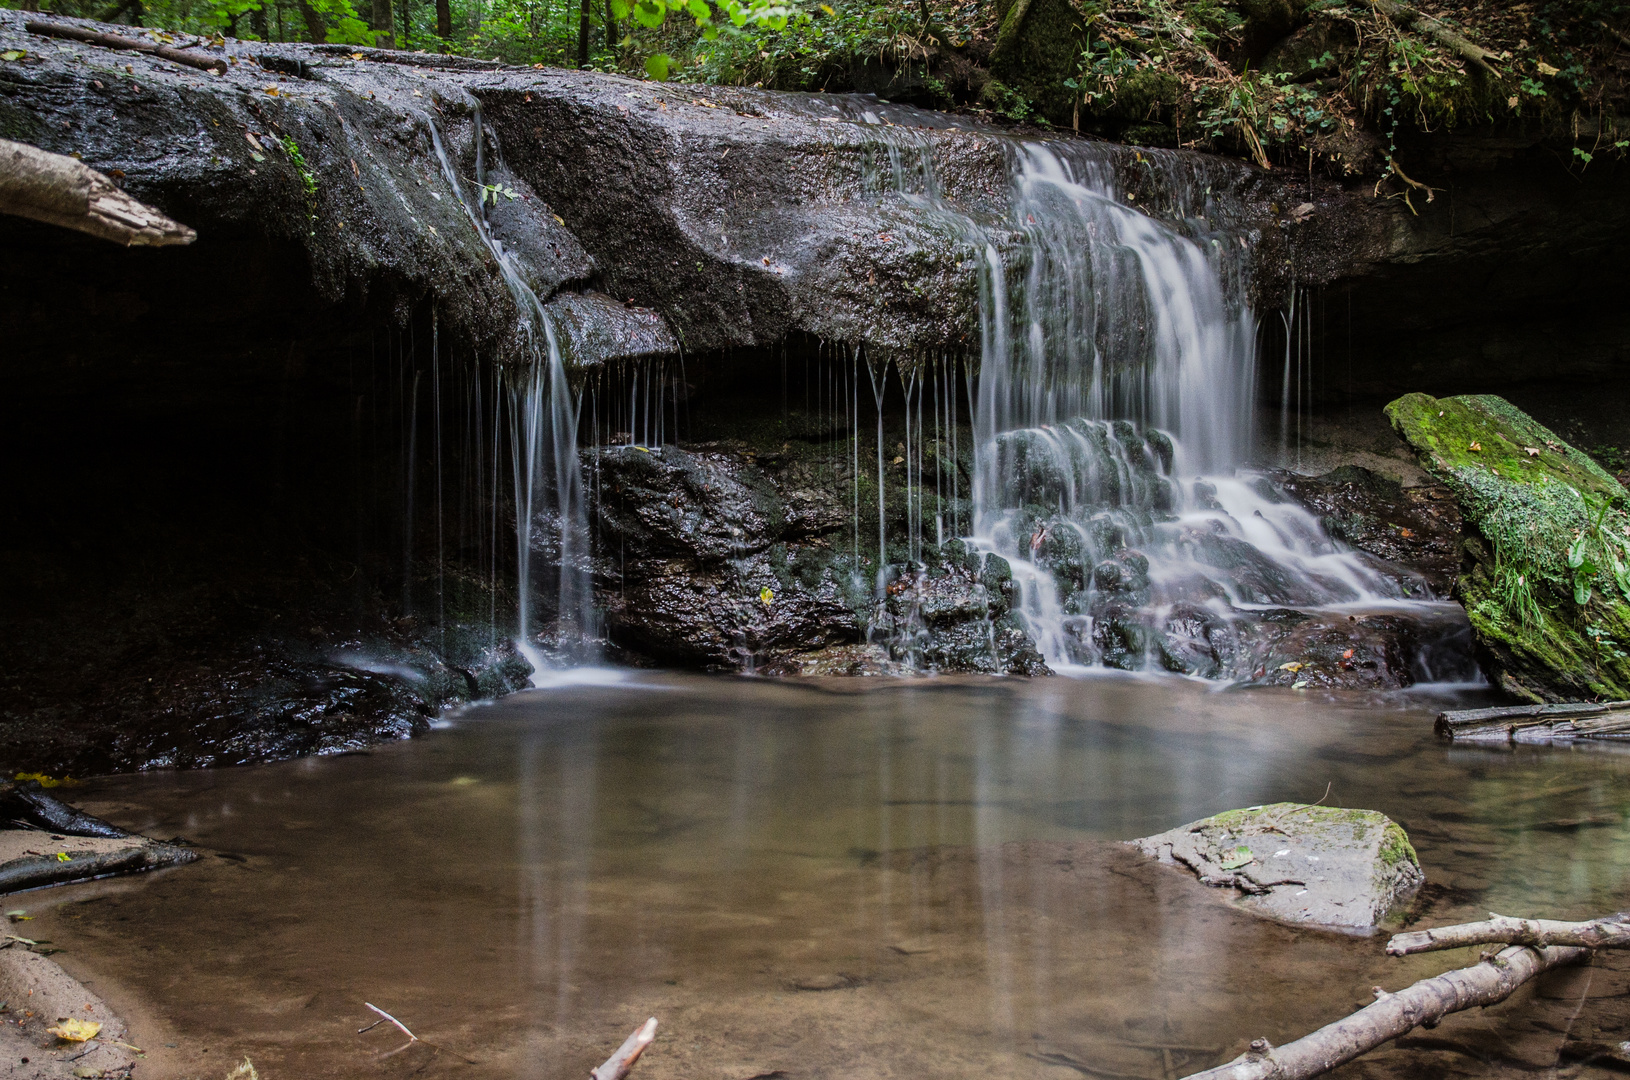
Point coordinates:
[(1297, 863)]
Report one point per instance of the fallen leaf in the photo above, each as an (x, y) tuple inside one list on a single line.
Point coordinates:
[(897, 461), (75, 1030), (766, 596), (1293, 666), (13, 54), (1530, 451), (1300, 684), (1511, 102), (1546, 69), (1242, 857), (1475, 446), (1348, 655), (272, 91), (1406, 534), (356, 56)]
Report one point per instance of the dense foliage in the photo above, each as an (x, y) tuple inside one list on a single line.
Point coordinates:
[(1337, 82)]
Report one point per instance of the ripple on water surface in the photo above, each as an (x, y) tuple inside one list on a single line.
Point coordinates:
[(856, 879)]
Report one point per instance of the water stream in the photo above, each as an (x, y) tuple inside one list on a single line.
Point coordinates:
[(845, 878)]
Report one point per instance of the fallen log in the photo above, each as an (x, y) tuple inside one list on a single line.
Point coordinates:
[(618, 1064), (38, 871), (27, 803), (1392, 1015), (217, 64), (60, 190), (1537, 723), (1612, 932), (1437, 30)]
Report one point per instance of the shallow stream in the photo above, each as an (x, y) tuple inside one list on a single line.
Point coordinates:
[(903, 878)]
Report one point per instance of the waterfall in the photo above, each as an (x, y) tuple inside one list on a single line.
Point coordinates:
[(1113, 416), (547, 477), (1113, 410)]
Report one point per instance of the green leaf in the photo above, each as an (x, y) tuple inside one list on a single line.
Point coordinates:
[(1576, 554), (1241, 857), (620, 9), (650, 14), (657, 66), (1581, 591), (699, 11)]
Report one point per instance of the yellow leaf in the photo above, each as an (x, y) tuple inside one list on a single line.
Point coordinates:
[(356, 56), (1511, 102), (1475, 446), (828, 9), (1546, 69), (75, 1030), (13, 54), (766, 595), (1291, 667)]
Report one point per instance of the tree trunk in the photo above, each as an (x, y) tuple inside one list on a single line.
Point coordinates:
[(383, 23), (258, 24), (611, 29), (315, 27), (444, 19), (583, 33)]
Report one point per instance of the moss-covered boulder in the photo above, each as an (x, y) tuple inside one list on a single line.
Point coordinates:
[(1546, 574), (1297, 863), (1038, 46)]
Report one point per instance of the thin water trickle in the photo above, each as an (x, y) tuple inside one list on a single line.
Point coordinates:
[(546, 474)]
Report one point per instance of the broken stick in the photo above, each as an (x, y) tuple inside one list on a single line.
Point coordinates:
[(1392, 1015), (1612, 932), (118, 41), (618, 1064), (60, 190)]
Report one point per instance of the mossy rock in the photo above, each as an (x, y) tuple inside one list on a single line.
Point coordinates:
[(1546, 630), (1037, 47), (1297, 863)]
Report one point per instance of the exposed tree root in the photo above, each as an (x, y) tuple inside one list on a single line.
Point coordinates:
[(117, 41)]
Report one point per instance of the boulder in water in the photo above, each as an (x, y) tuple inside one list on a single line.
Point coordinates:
[(1545, 576), (1296, 863)]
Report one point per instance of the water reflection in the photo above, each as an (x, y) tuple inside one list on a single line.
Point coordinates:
[(825, 879)]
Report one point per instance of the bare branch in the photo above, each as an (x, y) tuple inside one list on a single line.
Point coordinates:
[(1612, 932), (618, 1064), (1393, 1015), (63, 191), (118, 41), (412, 1037)]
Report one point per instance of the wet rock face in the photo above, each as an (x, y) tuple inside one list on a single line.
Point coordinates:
[(1294, 863), (1418, 528), (714, 557), (1546, 573)]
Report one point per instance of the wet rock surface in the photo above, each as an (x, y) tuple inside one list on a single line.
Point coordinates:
[(1295, 863), (1418, 528), (719, 557), (1545, 577)]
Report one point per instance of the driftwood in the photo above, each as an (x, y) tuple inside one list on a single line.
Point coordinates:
[(1537, 723), (1612, 932), (28, 804), (60, 190), (118, 41), (618, 1064), (37, 871), (1392, 1015)]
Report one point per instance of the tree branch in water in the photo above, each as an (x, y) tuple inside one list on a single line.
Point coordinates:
[(618, 1064), (1612, 932), (1392, 1015)]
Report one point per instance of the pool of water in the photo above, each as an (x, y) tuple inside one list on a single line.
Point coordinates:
[(816, 878)]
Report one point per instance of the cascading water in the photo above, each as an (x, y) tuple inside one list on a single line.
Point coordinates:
[(1113, 415), (1114, 407)]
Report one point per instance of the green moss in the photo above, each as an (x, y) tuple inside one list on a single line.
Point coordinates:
[(1554, 626), (1395, 846)]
